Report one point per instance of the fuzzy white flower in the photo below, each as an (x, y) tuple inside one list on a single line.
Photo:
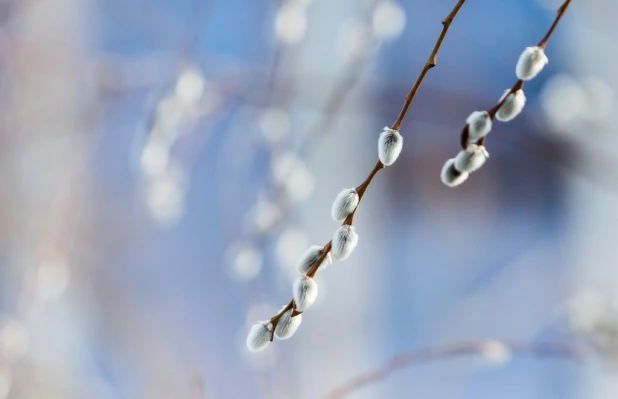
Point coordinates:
[(345, 240), (305, 293), (259, 336), (531, 62), (512, 106), (287, 325), (451, 176), (390, 144), (310, 258), (471, 159), (479, 124), (344, 204)]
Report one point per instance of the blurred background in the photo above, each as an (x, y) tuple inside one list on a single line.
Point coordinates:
[(163, 164)]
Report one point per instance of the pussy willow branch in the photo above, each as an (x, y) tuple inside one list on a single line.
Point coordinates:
[(361, 189), (560, 350), (520, 83)]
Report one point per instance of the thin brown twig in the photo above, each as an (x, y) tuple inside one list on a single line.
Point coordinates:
[(361, 189), (561, 350), (559, 15), (431, 62)]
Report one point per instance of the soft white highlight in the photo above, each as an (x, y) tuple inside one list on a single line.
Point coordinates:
[(479, 124), (291, 23), (305, 293), (390, 144), (345, 203), (471, 159), (310, 258), (259, 336), (512, 106), (292, 175), (531, 62), (495, 352), (389, 20), (451, 176), (344, 242), (287, 325)]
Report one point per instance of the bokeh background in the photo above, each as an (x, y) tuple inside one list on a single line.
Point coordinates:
[(163, 164)]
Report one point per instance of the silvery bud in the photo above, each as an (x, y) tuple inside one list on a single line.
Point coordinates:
[(512, 106), (390, 144), (531, 62), (345, 240), (287, 325), (311, 257), (479, 124), (305, 293), (451, 176), (471, 159), (259, 336), (344, 204)]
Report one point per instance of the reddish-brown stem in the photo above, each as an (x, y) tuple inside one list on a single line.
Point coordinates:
[(563, 350), (559, 15), (361, 190), (465, 136), (431, 62), (363, 186)]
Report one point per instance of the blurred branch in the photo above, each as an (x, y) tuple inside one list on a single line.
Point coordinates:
[(497, 351)]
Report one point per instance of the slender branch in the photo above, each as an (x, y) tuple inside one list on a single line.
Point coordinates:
[(561, 350), (431, 62), (559, 15)]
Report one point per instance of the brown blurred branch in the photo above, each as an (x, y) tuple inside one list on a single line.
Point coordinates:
[(542, 350)]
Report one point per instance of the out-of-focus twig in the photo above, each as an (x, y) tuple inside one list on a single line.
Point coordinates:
[(481, 348)]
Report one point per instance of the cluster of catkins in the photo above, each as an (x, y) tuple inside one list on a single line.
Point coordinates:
[(344, 241), (474, 155)]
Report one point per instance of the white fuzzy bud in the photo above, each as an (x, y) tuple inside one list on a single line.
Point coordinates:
[(344, 242), (451, 176), (310, 258), (287, 325), (471, 159), (390, 144), (305, 293), (479, 124), (344, 204), (259, 336), (512, 106), (531, 62)]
